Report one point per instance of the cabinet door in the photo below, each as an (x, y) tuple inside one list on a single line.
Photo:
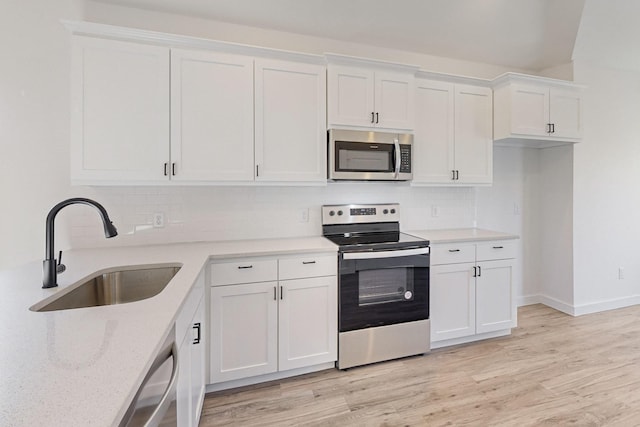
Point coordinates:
[(495, 301), (433, 140), (394, 100), (566, 113), (244, 338), (350, 96), (308, 316), (120, 111), (452, 301), (291, 132), (473, 135), (211, 116), (529, 110), (198, 360)]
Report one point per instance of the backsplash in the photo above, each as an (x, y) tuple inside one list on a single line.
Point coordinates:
[(194, 213)]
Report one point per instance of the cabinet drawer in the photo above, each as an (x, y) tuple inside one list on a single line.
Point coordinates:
[(309, 266), (496, 250), (452, 253), (244, 271)]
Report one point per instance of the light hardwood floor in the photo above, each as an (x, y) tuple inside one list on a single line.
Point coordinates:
[(553, 370)]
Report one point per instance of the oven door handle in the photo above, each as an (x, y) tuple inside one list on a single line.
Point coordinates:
[(385, 254), (396, 143)]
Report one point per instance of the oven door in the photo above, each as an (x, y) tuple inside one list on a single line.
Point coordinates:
[(383, 288)]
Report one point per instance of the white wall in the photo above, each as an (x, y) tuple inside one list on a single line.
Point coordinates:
[(607, 189), (555, 215), (511, 205), (34, 121), (191, 26)]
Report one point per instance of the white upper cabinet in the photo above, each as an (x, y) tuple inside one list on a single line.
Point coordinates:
[(473, 135), (370, 97), (120, 111), (211, 116), (290, 121), (453, 135), (219, 114), (433, 144), (536, 112)]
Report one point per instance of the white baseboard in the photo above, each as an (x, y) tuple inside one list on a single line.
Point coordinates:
[(579, 310), (268, 377), (605, 305), (528, 300), (470, 338)]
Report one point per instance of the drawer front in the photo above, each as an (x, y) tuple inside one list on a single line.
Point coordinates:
[(501, 249), (244, 271), (453, 253), (308, 266)]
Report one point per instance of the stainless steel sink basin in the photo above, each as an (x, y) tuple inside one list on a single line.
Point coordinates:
[(113, 287)]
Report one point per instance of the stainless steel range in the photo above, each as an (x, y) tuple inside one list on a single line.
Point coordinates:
[(383, 284)]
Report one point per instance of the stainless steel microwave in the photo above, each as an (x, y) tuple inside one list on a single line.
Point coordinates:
[(369, 156)]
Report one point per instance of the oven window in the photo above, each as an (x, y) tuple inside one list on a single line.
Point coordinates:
[(385, 285)]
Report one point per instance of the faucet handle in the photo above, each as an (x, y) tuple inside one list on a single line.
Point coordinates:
[(60, 267)]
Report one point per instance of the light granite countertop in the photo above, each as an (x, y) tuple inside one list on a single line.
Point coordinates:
[(82, 367), (453, 235)]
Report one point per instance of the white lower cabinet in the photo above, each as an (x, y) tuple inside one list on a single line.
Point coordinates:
[(308, 322), (286, 320), (190, 338), (453, 301), (471, 290), (244, 338)]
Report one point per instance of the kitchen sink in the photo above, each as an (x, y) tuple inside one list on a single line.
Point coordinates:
[(117, 286)]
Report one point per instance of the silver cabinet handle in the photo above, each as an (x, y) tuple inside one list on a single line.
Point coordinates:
[(396, 143)]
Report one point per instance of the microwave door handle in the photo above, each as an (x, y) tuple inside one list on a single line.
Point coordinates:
[(397, 145)]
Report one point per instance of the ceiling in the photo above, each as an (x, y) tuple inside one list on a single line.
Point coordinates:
[(522, 34)]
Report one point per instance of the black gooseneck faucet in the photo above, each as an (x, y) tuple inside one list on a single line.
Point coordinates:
[(51, 267)]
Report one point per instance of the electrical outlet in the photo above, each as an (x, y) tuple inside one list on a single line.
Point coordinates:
[(435, 211), (516, 209), (620, 273), (158, 220), (304, 215)]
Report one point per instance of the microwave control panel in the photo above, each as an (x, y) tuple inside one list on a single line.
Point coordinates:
[(405, 158)]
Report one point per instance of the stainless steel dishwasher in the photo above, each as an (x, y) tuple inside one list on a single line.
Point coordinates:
[(155, 402)]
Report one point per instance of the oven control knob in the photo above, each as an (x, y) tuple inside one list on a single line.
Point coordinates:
[(393, 211), (386, 211), (332, 213), (340, 213)]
